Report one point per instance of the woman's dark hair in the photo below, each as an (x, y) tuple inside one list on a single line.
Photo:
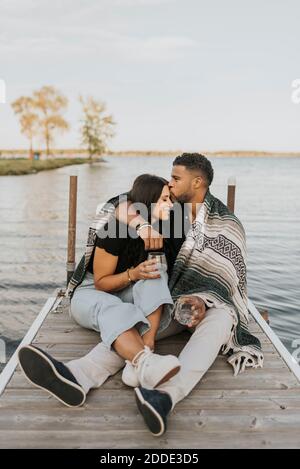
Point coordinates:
[(146, 190)]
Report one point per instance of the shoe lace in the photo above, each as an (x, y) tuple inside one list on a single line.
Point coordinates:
[(140, 359)]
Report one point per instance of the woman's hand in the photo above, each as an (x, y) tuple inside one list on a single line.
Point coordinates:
[(144, 271)]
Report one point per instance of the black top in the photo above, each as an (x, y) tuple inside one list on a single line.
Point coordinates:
[(123, 243), (120, 240)]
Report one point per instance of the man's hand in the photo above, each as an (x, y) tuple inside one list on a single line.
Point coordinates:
[(198, 308), (153, 240)]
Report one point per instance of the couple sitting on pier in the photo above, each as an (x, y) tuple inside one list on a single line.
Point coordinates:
[(131, 300)]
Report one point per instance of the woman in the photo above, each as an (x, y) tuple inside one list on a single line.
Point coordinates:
[(123, 293)]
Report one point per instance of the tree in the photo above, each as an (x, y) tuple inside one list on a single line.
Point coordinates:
[(25, 108), (49, 104), (97, 126)]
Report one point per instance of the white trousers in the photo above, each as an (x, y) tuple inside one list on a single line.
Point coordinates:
[(201, 350)]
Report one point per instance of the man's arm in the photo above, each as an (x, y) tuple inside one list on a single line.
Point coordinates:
[(126, 213)]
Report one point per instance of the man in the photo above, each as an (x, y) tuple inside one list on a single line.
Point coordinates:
[(209, 272)]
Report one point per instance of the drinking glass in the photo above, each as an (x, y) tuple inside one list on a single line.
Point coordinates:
[(183, 312), (160, 259)]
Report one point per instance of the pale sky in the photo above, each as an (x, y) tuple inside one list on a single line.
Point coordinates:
[(175, 74)]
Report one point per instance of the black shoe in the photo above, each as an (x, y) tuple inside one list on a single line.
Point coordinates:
[(154, 407), (51, 375)]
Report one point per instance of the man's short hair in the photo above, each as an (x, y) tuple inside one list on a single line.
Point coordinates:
[(196, 162)]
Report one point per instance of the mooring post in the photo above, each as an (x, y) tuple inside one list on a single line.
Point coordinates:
[(231, 193), (72, 227)]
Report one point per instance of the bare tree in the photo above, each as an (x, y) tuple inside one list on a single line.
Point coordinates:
[(49, 104), (25, 108), (97, 126)]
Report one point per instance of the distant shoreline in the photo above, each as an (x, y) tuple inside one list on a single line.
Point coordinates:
[(78, 153), (21, 167), (215, 154), (17, 163)]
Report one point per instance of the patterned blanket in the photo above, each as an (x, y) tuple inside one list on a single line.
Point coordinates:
[(212, 265)]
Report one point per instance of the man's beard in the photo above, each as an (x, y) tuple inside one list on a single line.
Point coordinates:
[(183, 198)]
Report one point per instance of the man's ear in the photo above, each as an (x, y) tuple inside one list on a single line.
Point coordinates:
[(198, 181)]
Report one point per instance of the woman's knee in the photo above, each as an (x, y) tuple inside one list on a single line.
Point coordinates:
[(87, 305)]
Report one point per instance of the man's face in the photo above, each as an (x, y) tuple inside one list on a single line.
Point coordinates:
[(181, 184)]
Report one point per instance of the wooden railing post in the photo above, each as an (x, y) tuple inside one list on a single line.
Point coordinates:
[(231, 193), (72, 227)]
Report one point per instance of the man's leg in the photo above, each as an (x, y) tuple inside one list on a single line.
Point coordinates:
[(71, 381), (199, 353), (195, 359), (92, 370)]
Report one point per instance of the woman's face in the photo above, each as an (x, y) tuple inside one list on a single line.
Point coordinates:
[(163, 206)]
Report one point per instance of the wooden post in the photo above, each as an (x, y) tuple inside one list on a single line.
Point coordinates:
[(72, 227), (231, 193), (265, 314)]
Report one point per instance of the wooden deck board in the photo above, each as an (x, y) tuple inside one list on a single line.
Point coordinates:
[(257, 409)]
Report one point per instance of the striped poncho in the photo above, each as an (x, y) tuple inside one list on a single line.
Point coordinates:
[(211, 264)]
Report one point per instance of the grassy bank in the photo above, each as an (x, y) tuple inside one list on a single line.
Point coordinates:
[(16, 167)]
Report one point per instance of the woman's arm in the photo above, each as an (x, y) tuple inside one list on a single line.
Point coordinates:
[(106, 280), (126, 213), (104, 277)]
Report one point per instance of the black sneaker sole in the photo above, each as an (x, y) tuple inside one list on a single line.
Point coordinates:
[(151, 417), (41, 372)]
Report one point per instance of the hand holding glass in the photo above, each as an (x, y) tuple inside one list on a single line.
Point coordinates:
[(160, 258), (183, 312)]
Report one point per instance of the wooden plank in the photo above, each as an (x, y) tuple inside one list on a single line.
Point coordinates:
[(76, 335), (128, 418), (214, 394), (57, 348), (131, 439), (271, 361), (98, 400), (252, 379)]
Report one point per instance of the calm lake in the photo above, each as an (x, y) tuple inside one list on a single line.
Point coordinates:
[(33, 232)]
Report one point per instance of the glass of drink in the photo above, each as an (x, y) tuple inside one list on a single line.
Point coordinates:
[(183, 312), (160, 258)]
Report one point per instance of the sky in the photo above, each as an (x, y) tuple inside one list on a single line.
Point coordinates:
[(193, 75)]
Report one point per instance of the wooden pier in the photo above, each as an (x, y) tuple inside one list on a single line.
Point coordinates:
[(257, 409)]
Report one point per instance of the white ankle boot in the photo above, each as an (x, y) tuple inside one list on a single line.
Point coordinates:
[(129, 375), (153, 369)]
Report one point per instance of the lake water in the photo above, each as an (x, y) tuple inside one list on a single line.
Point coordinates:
[(33, 232)]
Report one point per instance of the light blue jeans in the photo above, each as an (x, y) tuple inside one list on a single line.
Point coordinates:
[(111, 314)]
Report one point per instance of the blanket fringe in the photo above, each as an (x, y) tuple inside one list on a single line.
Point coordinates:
[(241, 360), (64, 307)]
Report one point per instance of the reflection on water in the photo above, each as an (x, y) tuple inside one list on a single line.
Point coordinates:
[(33, 232)]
